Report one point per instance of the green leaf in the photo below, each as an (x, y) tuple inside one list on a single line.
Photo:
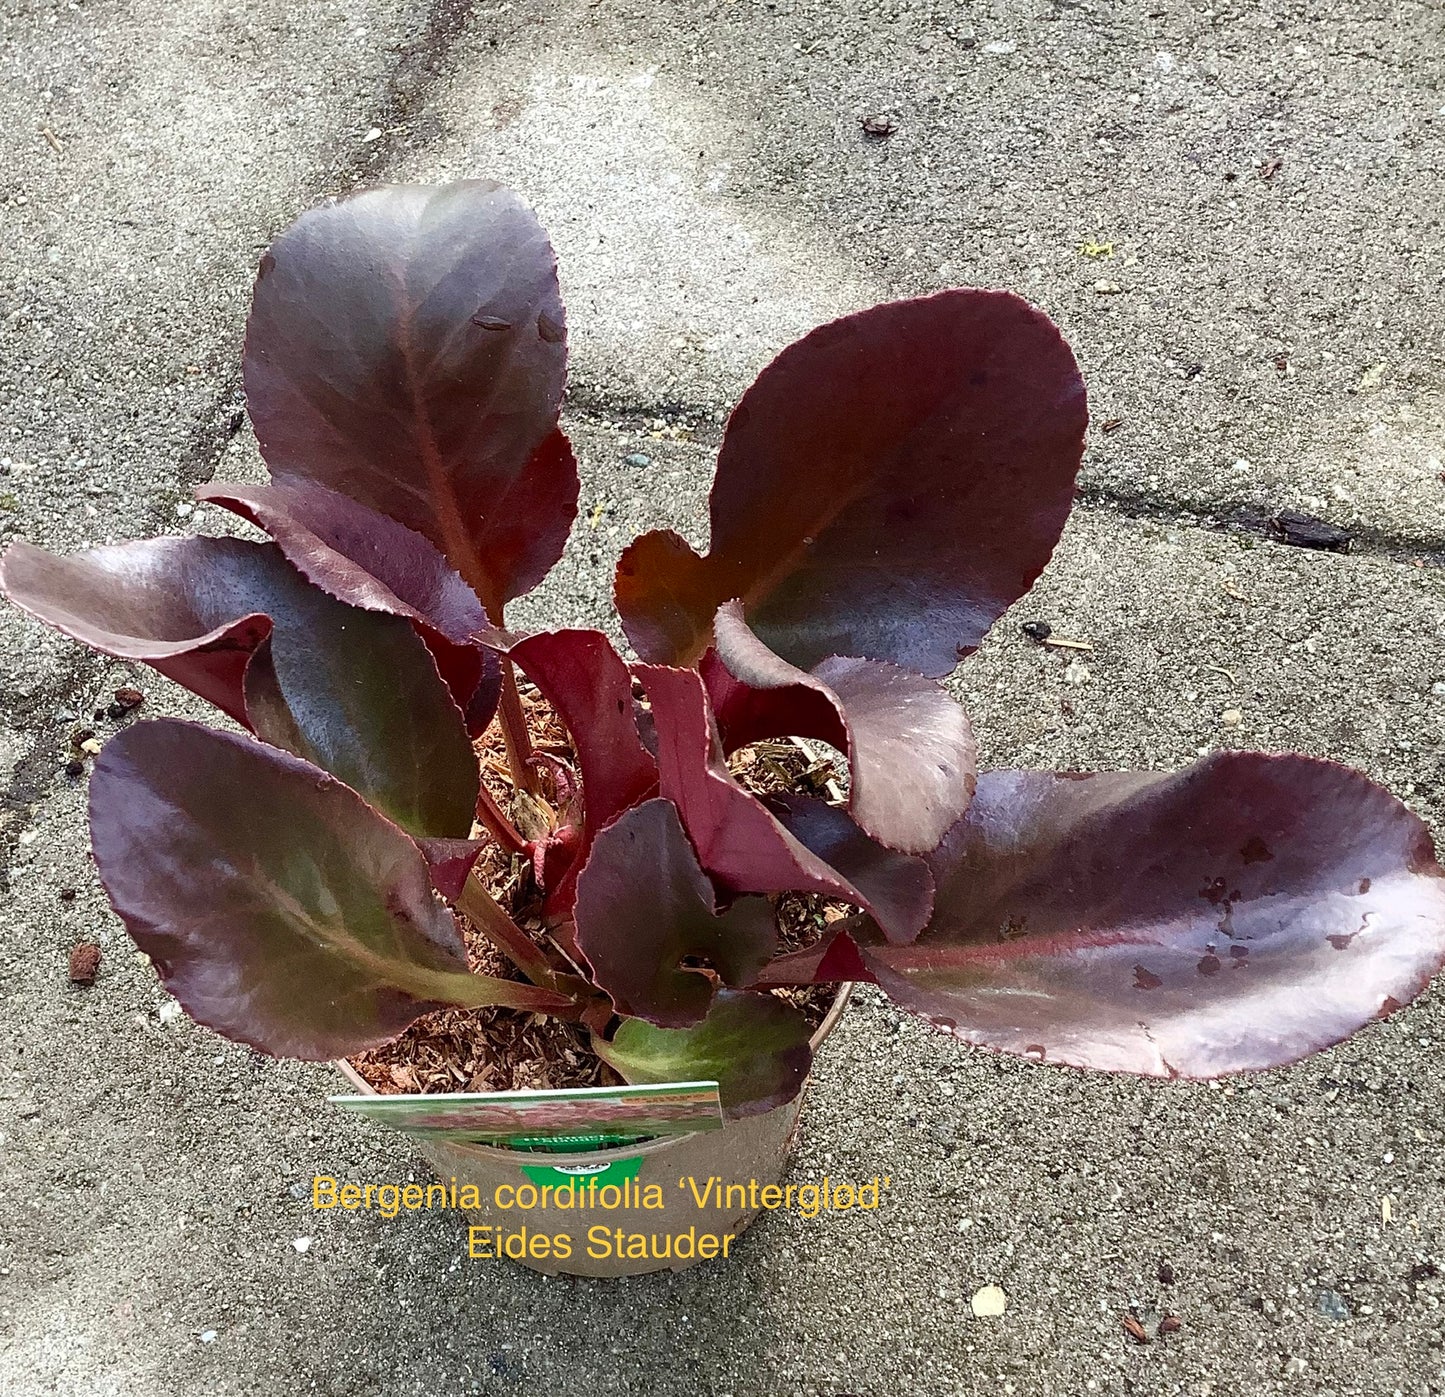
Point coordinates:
[(754, 1046)]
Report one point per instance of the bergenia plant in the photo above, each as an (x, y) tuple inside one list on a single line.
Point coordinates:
[(889, 485)]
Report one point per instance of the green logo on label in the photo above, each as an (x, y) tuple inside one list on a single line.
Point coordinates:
[(617, 1172)]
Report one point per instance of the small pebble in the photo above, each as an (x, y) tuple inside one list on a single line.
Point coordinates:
[(208, 1336), (988, 1302), (1231, 717), (84, 963), (169, 1012), (1332, 1305), (638, 459), (1438, 688), (302, 1244), (1037, 630)]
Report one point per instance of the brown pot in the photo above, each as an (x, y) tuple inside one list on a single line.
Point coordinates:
[(677, 1236)]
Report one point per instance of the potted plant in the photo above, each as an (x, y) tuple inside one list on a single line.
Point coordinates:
[(888, 486)]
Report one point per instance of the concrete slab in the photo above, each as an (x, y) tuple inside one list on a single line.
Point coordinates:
[(1260, 188)]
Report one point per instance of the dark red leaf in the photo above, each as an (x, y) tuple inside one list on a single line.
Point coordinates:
[(645, 909), (370, 561), (277, 906), (752, 1045), (582, 677), (738, 840), (449, 861), (407, 347), (883, 876), (834, 957), (193, 608), (910, 750), (481, 708), (359, 555), (354, 691), (885, 489), (1237, 915)]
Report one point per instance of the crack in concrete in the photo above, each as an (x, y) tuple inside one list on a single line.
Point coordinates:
[(1238, 516), (1253, 519), (418, 67)]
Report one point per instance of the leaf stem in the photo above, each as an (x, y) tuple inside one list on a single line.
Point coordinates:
[(498, 825), (514, 731), (487, 915), (488, 991)]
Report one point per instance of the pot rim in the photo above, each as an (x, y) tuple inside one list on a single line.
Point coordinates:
[(611, 1153)]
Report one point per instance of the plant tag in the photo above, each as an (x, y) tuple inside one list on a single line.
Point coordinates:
[(588, 1118)]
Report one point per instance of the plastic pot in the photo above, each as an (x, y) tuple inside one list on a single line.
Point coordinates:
[(583, 1240)]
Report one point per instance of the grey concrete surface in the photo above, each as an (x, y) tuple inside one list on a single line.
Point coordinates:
[(703, 171)]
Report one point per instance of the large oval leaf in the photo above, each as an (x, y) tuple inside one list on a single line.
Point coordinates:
[(355, 691), (195, 609), (406, 347), (645, 909), (359, 555), (885, 489), (753, 1046), (1238, 915), (277, 906), (370, 561)]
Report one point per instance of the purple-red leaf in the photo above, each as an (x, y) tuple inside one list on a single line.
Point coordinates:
[(358, 555), (738, 840), (356, 692), (370, 561), (449, 861), (1237, 915), (910, 749), (885, 489), (753, 1046), (645, 909), (883, 876), (193, 608), (407, 348), (582, 677), (277, 906)]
